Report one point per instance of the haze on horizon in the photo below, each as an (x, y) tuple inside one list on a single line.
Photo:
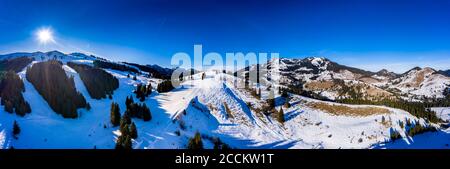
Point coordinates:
[(367, 34)]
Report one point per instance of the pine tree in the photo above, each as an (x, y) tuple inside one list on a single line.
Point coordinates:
[(9, 107), (126, 120), (115, 114), (196, 142), (149, 89), (181, 78), (165, 86), (133, 131), (281, 116), (125, 130), (127, 144), (203, 76), (119, 142), (146, 114), (16, 129)]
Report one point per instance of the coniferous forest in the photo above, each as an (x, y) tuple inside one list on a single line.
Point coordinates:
[(98, 82), (143, 91), (16, 64), (165, 86), (137, 110), (11, 88), (52, 83), (115, 66)]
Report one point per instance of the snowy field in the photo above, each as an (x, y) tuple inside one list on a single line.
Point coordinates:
[(203, 100)]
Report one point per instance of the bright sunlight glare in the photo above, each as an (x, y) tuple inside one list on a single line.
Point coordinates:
[(45, 35)]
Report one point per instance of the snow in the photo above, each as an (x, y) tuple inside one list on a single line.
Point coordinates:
[(442, 112), (203, 100), (432, 85), (429, 140)]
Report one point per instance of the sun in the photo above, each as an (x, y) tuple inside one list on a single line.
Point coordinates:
[(45, 35)]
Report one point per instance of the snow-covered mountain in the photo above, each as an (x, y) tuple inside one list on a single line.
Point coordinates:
[(222, 113), (445, 72), (422, 82), (332, 80), (40, 56)]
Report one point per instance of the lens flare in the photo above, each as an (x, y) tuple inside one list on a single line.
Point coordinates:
[(45, 35)]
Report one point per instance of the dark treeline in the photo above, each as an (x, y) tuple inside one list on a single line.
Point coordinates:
[(165, 86), (155, 73), (417, 109), (137, 110), (51, 81), (115, 66), (439, 102), (412, 129), (98, 82), (143, 91), (11, 88), (419, 129), (15, 64), (298, 89)]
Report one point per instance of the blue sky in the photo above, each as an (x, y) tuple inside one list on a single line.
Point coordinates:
[(392, 34)]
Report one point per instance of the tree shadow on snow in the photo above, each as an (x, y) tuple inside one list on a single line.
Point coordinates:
[(429, 140), (292, 114)]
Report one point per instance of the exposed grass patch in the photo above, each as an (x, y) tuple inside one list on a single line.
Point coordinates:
[(347, 110)]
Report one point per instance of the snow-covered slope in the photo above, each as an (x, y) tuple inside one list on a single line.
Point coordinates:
[(41, 56), (331, 80), (422, 82), (199, 106)]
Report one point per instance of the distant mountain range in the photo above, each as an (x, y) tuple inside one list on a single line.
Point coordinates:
[(332, 80), (82, 101), (316, 74)]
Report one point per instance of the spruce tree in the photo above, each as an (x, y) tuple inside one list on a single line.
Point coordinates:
[(196, 142), (281, 116), (149, 89), (126, 120), (127, 144), (146, 114), (119, 142), (16, 129), (125, 130), (115, 114), (133, 131)]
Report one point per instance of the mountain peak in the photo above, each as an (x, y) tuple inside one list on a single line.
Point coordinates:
[(428, 69), (383, 71), (317, 58), (387, 73)]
